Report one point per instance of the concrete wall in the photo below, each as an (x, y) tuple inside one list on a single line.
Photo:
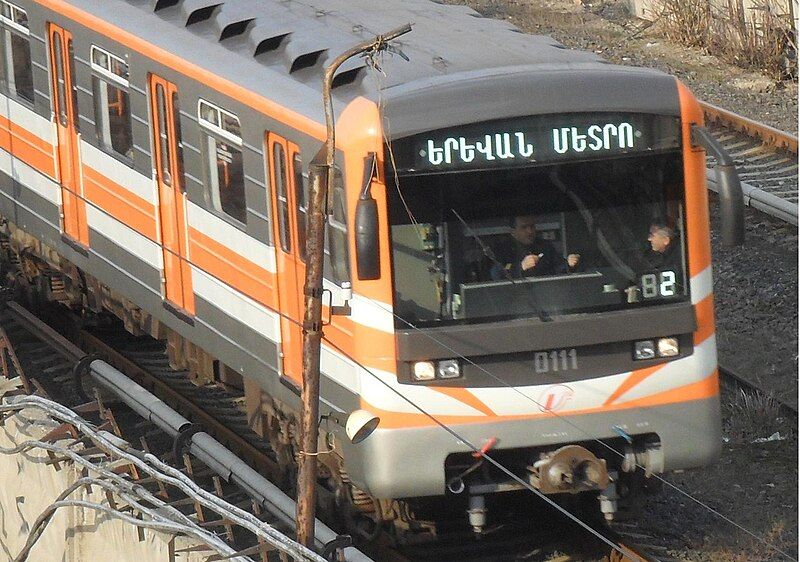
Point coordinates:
[(28, 485), (650, 9)]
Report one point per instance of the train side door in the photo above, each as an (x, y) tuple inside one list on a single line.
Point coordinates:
[(289, 196), (65, 108), (168, 162)]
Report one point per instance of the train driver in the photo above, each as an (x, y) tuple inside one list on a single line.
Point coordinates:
[(524, 255), (663, 253)]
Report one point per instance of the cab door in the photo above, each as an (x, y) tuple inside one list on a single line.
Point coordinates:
[(289, 196), (168, 162), (65, 110)]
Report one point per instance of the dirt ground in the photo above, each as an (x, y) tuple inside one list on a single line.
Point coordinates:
[(749, 497)]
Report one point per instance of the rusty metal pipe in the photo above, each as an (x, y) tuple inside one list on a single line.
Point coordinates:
[(211, 452), (312, 317)]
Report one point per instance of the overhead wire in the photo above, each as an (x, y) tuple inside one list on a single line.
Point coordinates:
[(159, 521)]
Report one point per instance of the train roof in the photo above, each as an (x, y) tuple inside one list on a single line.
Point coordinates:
[(462, 67)]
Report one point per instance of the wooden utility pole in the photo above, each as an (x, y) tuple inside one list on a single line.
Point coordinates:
[(322, 177)]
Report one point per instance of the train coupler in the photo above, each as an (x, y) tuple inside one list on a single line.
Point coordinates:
[(570, 469)]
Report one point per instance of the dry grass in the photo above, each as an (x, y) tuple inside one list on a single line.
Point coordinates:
[(758, 37), (686, 21), (757, 551), (754, 415)]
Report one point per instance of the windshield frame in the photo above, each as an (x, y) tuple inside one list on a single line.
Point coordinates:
[(404, 320)]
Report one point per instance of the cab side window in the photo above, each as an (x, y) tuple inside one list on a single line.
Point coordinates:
[(336, 232), (301, 199), (112, 111), (224, 188), (15, 44)]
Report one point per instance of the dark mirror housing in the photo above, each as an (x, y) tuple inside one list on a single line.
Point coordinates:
[(368, 257), (731, 198)]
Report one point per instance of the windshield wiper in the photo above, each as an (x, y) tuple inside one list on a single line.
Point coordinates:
[(487, 251)]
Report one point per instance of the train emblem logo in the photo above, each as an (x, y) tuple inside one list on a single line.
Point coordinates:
[(555, 397)]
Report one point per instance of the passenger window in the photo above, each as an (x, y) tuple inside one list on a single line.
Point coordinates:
[(58, 49), (225, 186), (16, 46), (163, 133), (279, 162), (301, 196), (176, 114), (112, 112), (336, 243)]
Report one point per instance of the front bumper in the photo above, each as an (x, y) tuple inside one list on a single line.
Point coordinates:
[(400, 463)]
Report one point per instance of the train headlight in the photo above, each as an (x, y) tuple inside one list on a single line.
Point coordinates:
[(424, 371), (668, 347), (449, 369), (645, 349)]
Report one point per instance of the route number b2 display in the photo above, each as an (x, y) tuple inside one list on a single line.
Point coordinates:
[(661, 284)]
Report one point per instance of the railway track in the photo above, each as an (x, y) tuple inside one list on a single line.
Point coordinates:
[(45, 359), (765, 157), (740, 381), (767, 160)]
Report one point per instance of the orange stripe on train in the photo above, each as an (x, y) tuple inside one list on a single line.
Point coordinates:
[(120, 203), (230, 267), (694, 163), (27, 147), (699, 390), (705, 319)]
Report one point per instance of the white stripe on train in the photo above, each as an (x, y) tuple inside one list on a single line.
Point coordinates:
[(33, 122), (121, 174)]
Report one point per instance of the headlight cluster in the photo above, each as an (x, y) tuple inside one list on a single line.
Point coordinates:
[(650, 349), (430, 370)]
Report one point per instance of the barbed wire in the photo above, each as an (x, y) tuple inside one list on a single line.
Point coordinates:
[(155, 468)]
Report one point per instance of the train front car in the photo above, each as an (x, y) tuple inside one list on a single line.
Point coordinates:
[(551, 286)]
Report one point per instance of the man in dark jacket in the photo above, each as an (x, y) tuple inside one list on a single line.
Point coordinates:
[(664, 253), (523, 255)]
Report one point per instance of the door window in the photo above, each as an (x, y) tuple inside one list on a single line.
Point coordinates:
[(224, 165)]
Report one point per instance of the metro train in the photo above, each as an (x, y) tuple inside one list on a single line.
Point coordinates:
[(508, 280)]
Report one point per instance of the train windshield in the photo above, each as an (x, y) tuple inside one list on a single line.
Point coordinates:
[(547, 240)]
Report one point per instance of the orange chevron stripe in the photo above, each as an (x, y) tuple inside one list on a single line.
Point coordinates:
[(700, 390), (705, 388), (633, 379), (705, 319), (465, 396)]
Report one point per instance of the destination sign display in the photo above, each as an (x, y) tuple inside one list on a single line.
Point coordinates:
[(535, 140)]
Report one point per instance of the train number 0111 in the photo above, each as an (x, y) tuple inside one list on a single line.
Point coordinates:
[(555, 360)]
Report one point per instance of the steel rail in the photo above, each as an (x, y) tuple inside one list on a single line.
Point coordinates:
[(93, 344), (199, 415), (769, 135), (742, 381)]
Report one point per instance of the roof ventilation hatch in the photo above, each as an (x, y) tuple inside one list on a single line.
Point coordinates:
[(161, 4), (270, 44), (235, 28), (201, 14), (305, 61)]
